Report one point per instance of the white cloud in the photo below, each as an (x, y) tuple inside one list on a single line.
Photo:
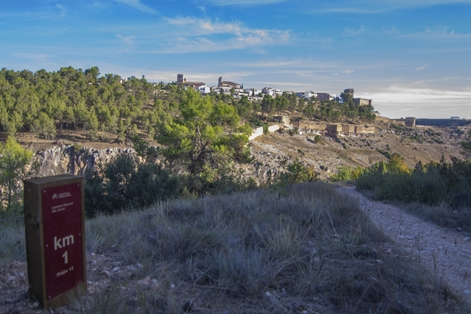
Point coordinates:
[(202, 8), (422, 67), (439, 32), (420, 102), (136, 4), (202, 35), (348, 71), (206, 26), (33, 56), (62, 9), (353, 32), (392, 31), (129, 41)]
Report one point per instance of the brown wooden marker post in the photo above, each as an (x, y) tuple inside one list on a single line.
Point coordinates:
[(55, 238)]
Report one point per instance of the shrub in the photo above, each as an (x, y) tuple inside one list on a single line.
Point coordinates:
[(297, 172), (265, 128), (126, 184), (430, 184), (346, 173)]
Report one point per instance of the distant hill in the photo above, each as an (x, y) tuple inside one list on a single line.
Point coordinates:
[(424, 144), (443, 122)]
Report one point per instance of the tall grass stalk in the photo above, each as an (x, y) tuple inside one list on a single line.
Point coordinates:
[(301, 242)]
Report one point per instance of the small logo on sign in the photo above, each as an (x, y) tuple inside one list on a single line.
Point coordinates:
[(65, 194), (56, 196)]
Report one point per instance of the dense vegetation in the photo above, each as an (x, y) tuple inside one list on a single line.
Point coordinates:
[(289, 248), (13, 161), (439, 191), (200, 139), (430, 184), (109, 108)]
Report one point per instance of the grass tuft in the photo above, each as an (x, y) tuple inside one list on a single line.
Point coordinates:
[(302, 247)]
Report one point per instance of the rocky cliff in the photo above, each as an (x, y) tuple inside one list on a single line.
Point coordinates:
[(72, 159), (273, 152)]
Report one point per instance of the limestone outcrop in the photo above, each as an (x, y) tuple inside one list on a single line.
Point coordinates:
[(72, 160)]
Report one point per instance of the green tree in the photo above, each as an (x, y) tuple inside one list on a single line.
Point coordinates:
[(268, 105), (397, 164), (13, 161), (126, 184), (297, 172), (81, 114), (112, 124), (200, 134), (91, 124), (121, 131), (43, 125)]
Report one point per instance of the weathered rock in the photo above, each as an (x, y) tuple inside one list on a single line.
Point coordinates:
[(68, 160)]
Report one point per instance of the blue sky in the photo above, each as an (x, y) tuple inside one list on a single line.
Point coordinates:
[(413, 58)]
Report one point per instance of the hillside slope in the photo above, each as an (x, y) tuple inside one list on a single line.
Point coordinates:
[(304, 248), (422, 144), (274, 151)]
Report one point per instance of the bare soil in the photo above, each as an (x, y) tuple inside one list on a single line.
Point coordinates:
[(14, 297), (68, 137), (445, 252), (355, 151)]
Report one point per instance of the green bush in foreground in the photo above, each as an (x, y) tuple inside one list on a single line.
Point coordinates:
[(437, 191), (430, 184)]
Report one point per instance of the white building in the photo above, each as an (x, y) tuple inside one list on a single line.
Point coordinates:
[(204, 89), (309, 95)]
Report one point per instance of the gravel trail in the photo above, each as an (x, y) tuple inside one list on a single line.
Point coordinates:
[(441, 250)]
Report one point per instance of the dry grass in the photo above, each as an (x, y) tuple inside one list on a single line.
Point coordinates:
[(12, 239), (303, 248), (300, 249), (442, 215)]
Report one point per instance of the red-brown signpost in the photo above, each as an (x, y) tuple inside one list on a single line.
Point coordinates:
[(55, 238)]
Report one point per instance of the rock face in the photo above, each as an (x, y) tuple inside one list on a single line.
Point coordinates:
[(73, 160)]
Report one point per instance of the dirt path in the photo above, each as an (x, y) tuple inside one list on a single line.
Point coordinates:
[(442, 250)]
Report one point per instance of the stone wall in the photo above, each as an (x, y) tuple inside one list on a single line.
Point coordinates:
[(348, 128), (369, 130), (333, 128)]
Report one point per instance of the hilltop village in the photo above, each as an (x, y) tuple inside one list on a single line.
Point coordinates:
[(283, 122), (75, 109), (237, 91)]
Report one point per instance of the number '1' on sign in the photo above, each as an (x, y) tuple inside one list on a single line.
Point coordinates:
[(54, 214)]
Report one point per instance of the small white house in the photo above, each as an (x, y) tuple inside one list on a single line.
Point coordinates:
[(249, 91), (204, 89), (309, 95), (269, 91)]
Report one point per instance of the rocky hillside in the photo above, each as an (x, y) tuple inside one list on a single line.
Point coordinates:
[(272, 152), (423, 144), (72, 159)]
